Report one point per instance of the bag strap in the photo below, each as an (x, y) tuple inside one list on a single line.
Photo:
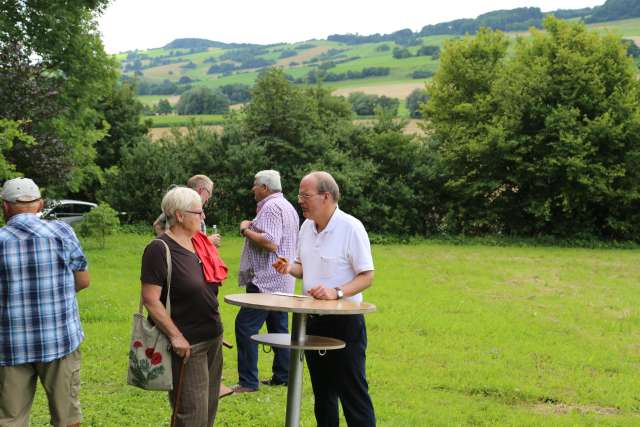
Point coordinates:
[(168, 256)]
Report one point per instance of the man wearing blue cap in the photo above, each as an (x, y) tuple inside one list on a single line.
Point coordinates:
[(42, 266)]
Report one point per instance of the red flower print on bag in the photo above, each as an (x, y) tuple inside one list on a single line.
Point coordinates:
[(156, 358), (149, 352), (137, 344)]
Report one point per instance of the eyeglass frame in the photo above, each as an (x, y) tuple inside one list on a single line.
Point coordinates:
[(308, 196)]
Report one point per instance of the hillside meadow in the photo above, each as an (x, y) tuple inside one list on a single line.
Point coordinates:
[(463, 335), (363, 55)]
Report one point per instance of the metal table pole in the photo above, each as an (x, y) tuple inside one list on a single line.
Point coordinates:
[(294, 390)]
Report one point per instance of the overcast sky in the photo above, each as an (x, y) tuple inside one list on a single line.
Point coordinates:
[(143, 24)]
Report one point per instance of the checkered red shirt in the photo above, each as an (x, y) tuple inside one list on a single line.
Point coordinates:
[(278, 220)]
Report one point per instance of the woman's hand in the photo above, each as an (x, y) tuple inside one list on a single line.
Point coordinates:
[(181, 347)]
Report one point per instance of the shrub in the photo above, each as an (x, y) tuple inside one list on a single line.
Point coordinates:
[(100, 222), (414, 102), (202, 100), (421, 74)]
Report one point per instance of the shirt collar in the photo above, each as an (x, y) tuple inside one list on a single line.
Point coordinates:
[(333, 221), (266, 199), (21, 218)]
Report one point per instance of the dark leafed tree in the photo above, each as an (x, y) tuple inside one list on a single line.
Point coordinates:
[(54, 73)]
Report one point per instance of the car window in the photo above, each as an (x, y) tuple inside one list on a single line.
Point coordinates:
[(66, 210), (81, 209)]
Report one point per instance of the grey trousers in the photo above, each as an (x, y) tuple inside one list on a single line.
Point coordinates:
[(200, 384)]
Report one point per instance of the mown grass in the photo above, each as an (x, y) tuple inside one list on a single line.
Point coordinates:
[(463, 335)]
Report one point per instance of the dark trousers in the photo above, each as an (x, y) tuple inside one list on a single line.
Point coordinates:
[(248, 322), (340, 374)]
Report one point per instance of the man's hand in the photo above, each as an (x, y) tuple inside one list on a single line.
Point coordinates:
[(245, 224), (282, 265), (321, 292), (215, 239)]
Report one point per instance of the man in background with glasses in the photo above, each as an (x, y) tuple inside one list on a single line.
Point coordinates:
[(202, 185), (271, 234)]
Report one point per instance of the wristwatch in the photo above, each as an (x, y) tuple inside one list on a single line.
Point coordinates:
[(339, 293)]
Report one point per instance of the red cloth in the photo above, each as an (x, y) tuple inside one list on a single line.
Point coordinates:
[(215, 271)]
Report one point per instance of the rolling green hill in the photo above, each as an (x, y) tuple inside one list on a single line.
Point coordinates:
[(369, 67)]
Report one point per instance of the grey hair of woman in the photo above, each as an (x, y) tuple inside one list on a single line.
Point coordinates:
[(179, 199), (270, 178)]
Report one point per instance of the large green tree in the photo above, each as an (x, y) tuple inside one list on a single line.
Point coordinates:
[(544, 141), (54, 72), (202, 100)]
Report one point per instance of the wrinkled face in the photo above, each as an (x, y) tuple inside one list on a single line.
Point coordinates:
[(260, 191), (192, 217), (205, 194), (311, 202)]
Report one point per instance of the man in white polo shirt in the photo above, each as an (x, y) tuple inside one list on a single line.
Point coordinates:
[(334, 260)]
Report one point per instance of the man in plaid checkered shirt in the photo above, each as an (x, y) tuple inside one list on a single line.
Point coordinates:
[(42, 266)]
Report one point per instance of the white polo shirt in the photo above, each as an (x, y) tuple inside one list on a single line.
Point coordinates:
[(336, 255)]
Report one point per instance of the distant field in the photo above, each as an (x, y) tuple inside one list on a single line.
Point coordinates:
[(175, 120), (626, 27), (392, 90), (153, 99), (399, 83), (158, 132)]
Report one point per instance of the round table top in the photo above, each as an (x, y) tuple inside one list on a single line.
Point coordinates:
[(298, 304)]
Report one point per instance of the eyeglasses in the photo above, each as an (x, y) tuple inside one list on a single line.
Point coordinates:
[(196, 213), (308, 196)]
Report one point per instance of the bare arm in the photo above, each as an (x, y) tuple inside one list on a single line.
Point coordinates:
[(283, 266), (359, 283), (81, 279), (257, 238), (151, 300)]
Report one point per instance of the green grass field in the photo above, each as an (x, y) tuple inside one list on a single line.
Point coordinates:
[(173, 120), (463, 335)]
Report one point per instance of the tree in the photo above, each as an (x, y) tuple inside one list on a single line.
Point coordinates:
[(541, 142), (121, 114), (54, 72), (401, 53), (414, 102), (164, 107), (202, 100)]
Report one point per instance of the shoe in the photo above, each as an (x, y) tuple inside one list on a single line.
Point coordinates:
[(242, 389), (224, 391), (273, 381)]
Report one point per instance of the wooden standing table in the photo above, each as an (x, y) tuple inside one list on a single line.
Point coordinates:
[(298, 341)]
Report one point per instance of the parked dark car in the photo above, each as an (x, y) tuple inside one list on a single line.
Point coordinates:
[(69, 211)]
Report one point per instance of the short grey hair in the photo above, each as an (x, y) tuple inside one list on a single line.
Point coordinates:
[(270, 178), (326, 184), (178, 199), (198, 181)]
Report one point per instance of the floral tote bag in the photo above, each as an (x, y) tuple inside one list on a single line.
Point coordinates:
[(150, 350)]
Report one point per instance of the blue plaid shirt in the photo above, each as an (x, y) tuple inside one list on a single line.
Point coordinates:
[(39, 319)]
